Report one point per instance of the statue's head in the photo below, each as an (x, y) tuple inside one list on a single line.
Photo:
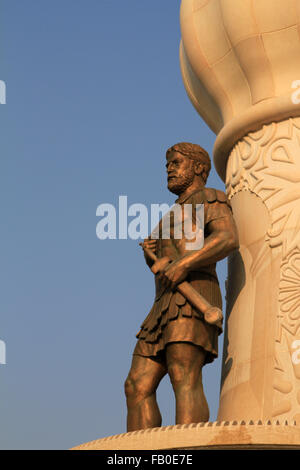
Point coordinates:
[(187, 164)]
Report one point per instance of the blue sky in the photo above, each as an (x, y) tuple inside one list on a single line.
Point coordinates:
[(94, 99)]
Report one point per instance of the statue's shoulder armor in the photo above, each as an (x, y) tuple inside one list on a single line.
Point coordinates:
[(213, 195)]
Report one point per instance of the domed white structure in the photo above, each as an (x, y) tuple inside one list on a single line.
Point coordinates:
[(240, 62)]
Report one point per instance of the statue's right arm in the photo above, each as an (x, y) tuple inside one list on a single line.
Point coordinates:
[(151, 245)]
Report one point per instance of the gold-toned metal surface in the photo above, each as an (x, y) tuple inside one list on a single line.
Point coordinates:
[(179, 336)]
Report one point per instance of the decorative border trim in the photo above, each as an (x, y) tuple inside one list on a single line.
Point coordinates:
[(197, 435)]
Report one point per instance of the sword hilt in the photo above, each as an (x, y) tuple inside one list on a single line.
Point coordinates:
[(148, 252)]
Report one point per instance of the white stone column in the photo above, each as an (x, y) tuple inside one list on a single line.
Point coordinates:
[(261, 366)]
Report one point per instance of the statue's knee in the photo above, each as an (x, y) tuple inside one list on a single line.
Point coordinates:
[(136, 388), (177, 375), (186, 377), (128, 387)]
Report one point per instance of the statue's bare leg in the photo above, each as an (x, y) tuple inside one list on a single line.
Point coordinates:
[(140, 389), (184, 363)]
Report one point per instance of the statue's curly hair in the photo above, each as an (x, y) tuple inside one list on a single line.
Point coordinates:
[(195, 152)]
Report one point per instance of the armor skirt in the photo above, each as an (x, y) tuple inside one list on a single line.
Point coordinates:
[(172, 319)]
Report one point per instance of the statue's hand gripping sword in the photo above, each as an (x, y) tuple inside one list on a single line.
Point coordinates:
[(212, 315)]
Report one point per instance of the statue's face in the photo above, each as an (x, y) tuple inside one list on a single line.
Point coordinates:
[(180, 171)]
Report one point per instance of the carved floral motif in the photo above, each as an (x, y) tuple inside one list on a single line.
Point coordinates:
[(267, 163)]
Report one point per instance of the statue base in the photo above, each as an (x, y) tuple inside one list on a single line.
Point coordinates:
[(224, 435)]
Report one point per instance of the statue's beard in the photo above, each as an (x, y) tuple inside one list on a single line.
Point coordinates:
[(179, 184)]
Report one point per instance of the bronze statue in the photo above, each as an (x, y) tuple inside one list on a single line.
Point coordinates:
[(180, 334)]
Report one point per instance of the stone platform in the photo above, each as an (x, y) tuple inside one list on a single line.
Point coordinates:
[(205, 436)]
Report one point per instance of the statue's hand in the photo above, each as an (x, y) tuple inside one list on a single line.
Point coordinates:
[(160, 264), (152, 246), (174, 274)]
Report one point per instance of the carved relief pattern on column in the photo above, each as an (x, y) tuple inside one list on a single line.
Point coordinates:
[(267, 163)]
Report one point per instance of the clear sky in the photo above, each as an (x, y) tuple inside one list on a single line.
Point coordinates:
[(94, 99)]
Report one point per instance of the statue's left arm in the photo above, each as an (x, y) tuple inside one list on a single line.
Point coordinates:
[(222, 239)]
